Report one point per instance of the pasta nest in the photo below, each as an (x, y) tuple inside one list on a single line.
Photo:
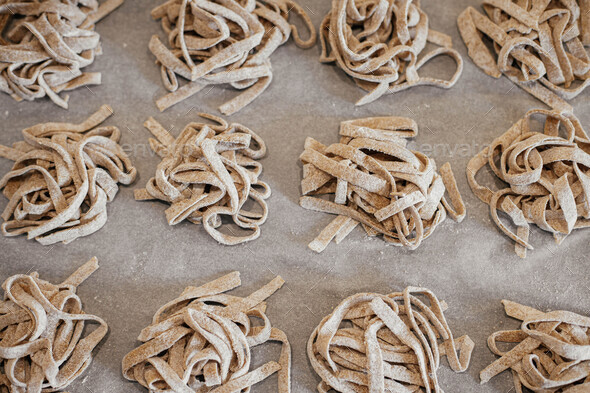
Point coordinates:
[(379, 343), (370, 177), (201, 342), (62, 179), (551, 351), (380, 44), (223, 42), (546, 175), (43, 343), (539, 44), (44, 45), (210, 171)]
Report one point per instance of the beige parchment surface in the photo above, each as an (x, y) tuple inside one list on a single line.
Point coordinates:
[(145, 263)]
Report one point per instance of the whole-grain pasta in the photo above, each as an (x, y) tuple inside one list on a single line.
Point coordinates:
[(386, 343), (372, 178), (44, 340), (209, 172), (539, 44), (213, 42), (63, 176), (45, 45), (202, 341), (551, 352), (380, 44), (547, 177)]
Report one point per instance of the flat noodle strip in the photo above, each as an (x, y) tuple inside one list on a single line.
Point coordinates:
[(202, 341), (44, 45), (379, 44), (547, 176), (373, 179), (208, 172), (541, 45), (552, 351), (62, 179), (386, 343), (214, 42), (43, 343)]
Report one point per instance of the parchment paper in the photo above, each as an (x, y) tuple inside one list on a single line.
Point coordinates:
[(145, 263)]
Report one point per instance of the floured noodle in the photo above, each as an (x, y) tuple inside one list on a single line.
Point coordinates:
[(207, 172), (44, 45), (371, 178), (223, 42), (62, 179), (539, 44), (547, 177), (381, 45), (550, 352), (45, 343), (386, 343), (202, 341)]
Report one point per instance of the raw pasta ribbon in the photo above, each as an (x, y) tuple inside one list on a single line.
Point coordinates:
[(45, 44), (63, 176), (380, 44), (210, 171), (44, 340), (214, 42), (547, 177), (386, 343), (201, 342), (539, 44), (551, 352), (371, 177)]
